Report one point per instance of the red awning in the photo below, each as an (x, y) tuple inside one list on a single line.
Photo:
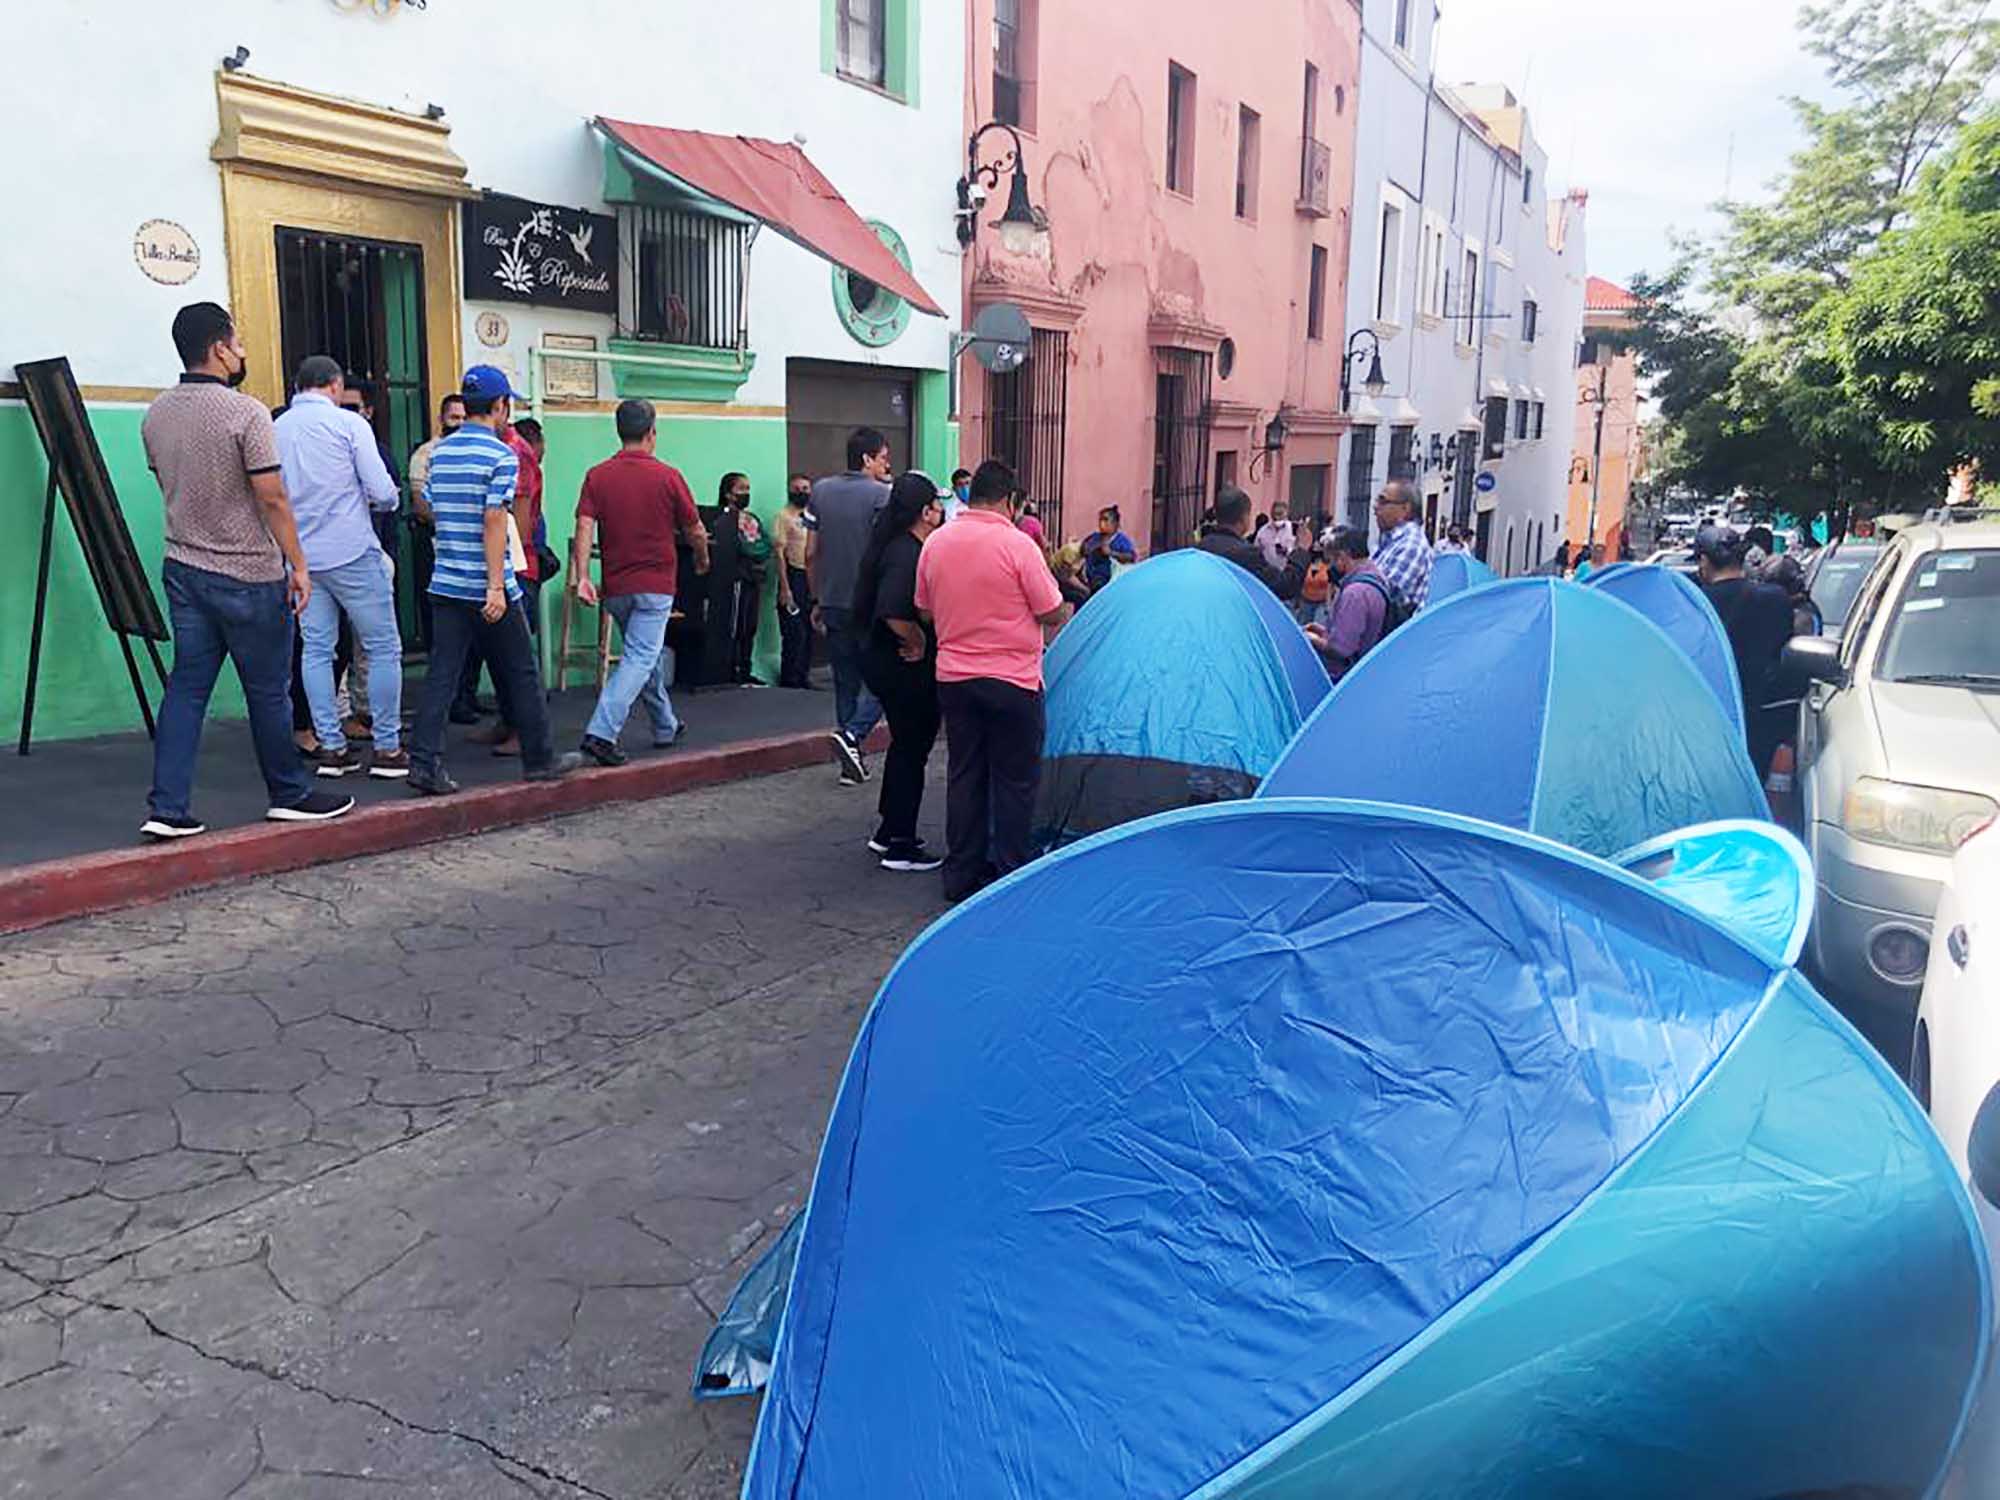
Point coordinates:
[(779, 186)]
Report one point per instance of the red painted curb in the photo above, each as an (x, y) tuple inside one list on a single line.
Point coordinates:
[(53, 890)]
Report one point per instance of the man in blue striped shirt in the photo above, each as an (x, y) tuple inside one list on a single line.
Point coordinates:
[(475, 598)]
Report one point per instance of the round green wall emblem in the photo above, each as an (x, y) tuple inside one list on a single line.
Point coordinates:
[(873, 315)]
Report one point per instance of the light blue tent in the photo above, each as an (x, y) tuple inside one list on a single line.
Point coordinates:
[(1676, 604), (1755, 879), (1180, 686), (1383, 1154), (1455, 572), (1533, 703)]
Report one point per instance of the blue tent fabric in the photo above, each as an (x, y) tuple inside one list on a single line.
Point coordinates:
[(1753, 878), (1183, 684), (1455, 572), (1537, 704), (1676, 604), (1375, 1122)]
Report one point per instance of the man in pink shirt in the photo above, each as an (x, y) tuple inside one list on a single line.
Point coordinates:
[(988, 591)]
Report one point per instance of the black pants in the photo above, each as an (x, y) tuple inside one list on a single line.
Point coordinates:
[(995, 734), (743, 638), (909, 694), (423, 559), (509, 651), (795, 630)]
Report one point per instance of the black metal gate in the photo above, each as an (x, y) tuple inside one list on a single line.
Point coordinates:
[(1181, 421), (361, 302), (1027, 417)]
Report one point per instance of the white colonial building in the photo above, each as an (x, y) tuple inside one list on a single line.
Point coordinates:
[(1469, 279), (711, 206)]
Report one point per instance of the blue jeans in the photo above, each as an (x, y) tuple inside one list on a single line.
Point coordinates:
[(855, 710), (645, 668), (362, 591), (215, 616)]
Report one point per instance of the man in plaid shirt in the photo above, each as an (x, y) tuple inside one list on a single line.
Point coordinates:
[(1403, 556)]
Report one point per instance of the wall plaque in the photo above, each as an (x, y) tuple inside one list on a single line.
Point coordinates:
[(569, 379), (166, 252)]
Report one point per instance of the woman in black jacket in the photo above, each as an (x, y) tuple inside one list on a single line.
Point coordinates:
[(899, 663)]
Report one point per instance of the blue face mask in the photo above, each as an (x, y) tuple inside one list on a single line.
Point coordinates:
[(964, 492)]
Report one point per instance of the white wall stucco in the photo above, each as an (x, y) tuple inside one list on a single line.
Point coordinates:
[(126, 96), (1417, 148)]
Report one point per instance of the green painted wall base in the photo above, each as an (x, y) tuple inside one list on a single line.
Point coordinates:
[(84, 688)]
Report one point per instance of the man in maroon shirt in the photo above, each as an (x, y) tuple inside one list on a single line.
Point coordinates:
[(639, 507)]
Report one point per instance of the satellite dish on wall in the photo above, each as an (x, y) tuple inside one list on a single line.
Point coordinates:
[(1000, 337)]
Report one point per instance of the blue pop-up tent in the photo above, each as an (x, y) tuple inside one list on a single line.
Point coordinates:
[(1534, 703), (1380, 1154), (1455, 572), (1676, 604), (1180, 686)]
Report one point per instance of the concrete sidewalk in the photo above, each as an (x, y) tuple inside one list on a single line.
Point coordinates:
[(70, 812)]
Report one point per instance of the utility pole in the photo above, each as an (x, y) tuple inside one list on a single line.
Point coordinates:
[(1597, 457)]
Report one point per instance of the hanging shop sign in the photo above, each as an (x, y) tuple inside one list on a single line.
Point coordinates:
[(166, 252), (518, 251)]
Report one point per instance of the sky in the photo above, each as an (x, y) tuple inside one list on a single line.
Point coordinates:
[(1642, 102)]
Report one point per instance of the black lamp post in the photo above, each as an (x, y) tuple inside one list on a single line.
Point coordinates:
[(1374, 382), (1019, 225)]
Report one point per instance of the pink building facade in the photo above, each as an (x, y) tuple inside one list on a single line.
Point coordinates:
[(1195, 165)]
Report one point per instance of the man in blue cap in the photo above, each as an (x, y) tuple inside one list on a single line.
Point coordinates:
[(475, 597)]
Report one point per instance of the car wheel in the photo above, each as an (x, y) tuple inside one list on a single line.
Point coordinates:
[(1920, 1066)]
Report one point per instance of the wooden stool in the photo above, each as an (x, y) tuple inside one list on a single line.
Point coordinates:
[(567, 653)]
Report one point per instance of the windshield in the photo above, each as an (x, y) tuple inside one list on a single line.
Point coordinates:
[(1947, 626), (1839, 580)]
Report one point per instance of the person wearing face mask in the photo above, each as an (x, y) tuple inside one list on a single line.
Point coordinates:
[(839, 518), (235, 574), (450, 417), (794, 587), (961, 491)]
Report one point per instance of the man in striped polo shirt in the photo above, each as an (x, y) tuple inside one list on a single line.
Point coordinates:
[(475, 597)]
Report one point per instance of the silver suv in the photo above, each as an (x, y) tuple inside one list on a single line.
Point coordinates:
[(1899, 751)]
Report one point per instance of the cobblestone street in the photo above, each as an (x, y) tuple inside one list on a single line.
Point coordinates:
[(425, 1175)]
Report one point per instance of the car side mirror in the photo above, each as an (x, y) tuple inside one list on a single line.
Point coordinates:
[(1815, 658), (1982, 1152)]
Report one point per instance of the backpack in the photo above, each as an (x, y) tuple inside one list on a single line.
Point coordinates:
[(1394, 611)]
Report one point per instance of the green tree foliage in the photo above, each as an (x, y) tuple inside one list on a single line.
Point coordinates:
[(1917, 334), (1772, 351)]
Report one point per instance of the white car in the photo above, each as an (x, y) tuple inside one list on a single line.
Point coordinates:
[(1955, 1064), (1899, 757), (1955, 1072)]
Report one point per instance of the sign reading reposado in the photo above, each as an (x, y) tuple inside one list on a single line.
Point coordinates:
[(519, 251)]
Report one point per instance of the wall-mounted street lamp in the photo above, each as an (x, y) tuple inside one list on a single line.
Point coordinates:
[(1374, 382), (1275, 432), (1022, 227)]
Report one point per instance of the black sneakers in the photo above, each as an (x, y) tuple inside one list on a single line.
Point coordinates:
[(911, 858), (603, 751), (853, 769), (157, 827), (389, 765), (320, 807)]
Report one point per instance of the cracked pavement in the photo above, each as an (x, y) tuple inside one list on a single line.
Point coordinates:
[(426, 1174)]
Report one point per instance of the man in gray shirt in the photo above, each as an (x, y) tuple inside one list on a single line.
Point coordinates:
[(838, 519)]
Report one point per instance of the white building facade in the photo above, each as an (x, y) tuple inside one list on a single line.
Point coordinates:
[(349, 176), (1469, 279)]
